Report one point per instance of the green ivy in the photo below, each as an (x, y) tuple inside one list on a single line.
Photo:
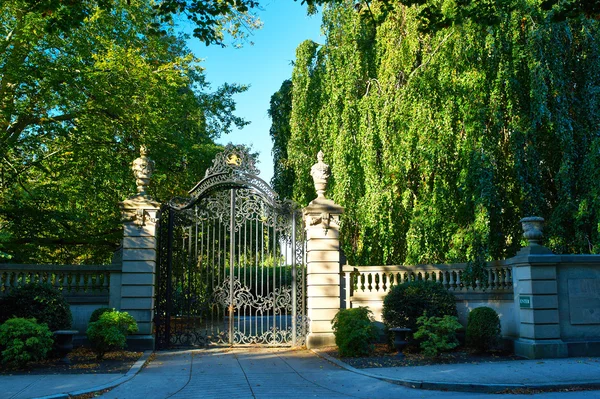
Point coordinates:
[(439, 141)]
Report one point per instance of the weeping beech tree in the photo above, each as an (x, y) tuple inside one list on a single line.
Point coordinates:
[(441, 138)]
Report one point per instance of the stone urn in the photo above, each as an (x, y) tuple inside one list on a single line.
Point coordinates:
[(63, 343), (533, 229), (400, 338), (320, 173)]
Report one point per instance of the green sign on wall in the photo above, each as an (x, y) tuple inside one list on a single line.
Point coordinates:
[(524, 302)]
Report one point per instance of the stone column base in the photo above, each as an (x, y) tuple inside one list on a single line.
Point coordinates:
[(320, 340), (535, 349), (140, 342)]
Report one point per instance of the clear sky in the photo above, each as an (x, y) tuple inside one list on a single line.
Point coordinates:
[(263, 66)]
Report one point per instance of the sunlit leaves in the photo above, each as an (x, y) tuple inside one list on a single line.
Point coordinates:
[(441, 139)]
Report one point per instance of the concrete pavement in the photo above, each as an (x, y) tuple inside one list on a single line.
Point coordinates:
[(286, 373)]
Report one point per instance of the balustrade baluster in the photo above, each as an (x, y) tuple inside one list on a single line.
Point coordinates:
[(81, 283), (370, 280), (458, 282), (384, 281), (377, 277), (106, 277), (444, 280)]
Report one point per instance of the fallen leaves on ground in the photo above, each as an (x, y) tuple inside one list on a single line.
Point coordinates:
[(83, 361), (384, 356)]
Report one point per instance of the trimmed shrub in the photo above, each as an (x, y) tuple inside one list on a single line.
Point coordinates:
[(41, 301), (110, 332), (354, 332), (99, 312), (406, 302), (437, 334), (483, 329), (23, 341)]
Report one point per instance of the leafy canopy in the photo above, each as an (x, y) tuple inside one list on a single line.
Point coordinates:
[(81, 89), (441, 138)]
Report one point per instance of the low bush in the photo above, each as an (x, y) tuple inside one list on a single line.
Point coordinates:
[(483, 329), (437, 334), (354, 332), (99, 312), (406, 302), (23, 341), (40, 301), (110, 332)]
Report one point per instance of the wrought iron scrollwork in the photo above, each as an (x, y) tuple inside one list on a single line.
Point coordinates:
[(212, 250)]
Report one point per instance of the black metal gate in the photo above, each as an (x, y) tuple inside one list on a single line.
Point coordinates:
[(230, 262)]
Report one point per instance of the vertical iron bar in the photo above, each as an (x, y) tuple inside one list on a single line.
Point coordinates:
[(256, 274), (262, 273), (274, 255), (294, 305), (231, 260), (189, 279), (169, 276)]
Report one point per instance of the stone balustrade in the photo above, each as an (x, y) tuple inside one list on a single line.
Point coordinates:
[(380, 279), (72, 280), (368, 286)]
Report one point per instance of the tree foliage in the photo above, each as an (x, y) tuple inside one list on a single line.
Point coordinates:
[(81, 88), (440, 140), (280, 111)]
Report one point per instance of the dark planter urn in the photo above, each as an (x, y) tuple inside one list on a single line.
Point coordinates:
[(63, 343), (400, 340)]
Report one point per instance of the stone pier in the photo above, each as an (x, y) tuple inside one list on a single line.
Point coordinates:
[(321, 221), (140, 213)]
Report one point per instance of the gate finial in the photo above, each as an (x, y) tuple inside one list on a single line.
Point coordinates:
[(142, 170), (320, 173)]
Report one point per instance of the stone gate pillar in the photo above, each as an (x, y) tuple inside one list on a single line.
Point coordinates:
[(139, 254), (536, 296), (321, 221)]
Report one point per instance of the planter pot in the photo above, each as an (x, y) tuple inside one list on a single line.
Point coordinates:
[(533, 229), (63, 342), (400, 340)]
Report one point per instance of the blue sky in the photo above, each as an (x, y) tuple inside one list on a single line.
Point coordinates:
[(263, 66)]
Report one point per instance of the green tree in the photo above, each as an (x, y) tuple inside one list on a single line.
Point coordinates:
[(77, 102), (280, 111), (441, 139)]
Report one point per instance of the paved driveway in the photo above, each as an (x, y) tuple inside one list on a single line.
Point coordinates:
[(270, 373)]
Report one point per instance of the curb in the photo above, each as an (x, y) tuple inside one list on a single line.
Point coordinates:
[(137, 366), (458, 386)]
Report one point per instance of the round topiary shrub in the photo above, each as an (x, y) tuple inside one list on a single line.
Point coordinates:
[(23, 341), (99, 312), (483, 329), (354, 332), (41, 301), (406, 302)]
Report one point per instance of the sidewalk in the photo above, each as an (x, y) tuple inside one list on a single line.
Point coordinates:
[(259, 373), (490, 377), (57, 386)]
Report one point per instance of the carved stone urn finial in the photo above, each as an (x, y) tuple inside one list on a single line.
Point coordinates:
[(142, 170), (533, 229), (320, 173)]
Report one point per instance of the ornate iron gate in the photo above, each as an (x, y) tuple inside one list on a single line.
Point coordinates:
[(230, 262)]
